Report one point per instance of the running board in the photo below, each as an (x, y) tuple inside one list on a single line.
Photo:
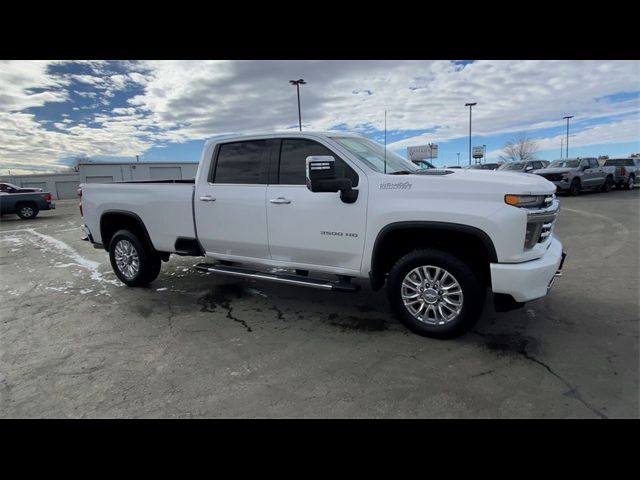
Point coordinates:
[(341, 286)]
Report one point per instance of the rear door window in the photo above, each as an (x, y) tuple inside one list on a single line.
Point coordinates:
[(243, 163)]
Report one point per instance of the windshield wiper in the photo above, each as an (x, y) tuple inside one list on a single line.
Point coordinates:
[(402, 172)]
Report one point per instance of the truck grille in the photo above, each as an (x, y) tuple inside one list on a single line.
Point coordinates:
[(540, 222), (553, 177)]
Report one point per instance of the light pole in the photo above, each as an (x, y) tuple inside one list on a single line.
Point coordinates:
[(567, 119), (561, 146), (484, 152), (458, 158), (297, 83), (470, 105)]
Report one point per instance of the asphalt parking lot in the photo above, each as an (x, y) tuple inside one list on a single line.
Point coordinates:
[(76, 343)]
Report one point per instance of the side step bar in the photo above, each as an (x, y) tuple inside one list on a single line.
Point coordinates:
[(341, 286)]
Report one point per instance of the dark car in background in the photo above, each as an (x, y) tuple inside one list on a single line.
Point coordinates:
[(25, 204), (524, 167), (11, 188)]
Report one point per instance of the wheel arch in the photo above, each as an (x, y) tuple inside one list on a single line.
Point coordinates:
[(396, 239), (113, 220)]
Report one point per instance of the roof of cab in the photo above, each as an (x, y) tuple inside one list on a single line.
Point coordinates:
[(287, 134)]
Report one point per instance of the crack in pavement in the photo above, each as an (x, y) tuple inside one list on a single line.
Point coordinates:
[(221, 298), (521, 348)]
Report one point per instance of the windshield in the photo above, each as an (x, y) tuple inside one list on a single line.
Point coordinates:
[(565, 163), (373, 154), (512, 166)]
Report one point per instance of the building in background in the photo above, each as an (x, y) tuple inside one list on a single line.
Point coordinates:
[(65, 185)]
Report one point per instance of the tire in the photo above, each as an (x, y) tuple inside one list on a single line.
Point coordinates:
[(27, 211), (630, 183), (574, 189), (132, 260), (607, 185), (409, 269)]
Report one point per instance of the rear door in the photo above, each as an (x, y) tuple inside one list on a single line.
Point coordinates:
[(229, 204), (315, 229)]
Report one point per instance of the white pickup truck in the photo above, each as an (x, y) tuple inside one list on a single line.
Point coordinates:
[(279, 206)]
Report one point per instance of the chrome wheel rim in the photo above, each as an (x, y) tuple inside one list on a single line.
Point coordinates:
[(26, 211), (432, 295), (127, 259)]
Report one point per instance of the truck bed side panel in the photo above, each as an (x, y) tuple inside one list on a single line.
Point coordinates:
[(164, 208)]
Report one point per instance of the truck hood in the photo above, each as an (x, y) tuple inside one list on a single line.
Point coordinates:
[(490, 181), (552, 170), (479, 185)]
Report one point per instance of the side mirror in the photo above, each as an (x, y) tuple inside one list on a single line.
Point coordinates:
[(321, 177)]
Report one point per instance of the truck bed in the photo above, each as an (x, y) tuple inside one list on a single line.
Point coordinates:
[(164, 206)]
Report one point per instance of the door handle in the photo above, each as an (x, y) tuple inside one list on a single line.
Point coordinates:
[(280, 201), (207, 198)]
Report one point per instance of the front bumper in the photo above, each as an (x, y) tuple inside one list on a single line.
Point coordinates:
[(529, 280)]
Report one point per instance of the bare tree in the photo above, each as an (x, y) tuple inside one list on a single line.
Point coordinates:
[(519, 149)]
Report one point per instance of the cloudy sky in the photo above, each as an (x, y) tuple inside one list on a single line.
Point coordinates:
[(52, 111)]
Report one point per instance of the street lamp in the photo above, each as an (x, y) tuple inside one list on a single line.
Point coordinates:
[(470, 105), (567, 119), (297, 83), (484, 153)]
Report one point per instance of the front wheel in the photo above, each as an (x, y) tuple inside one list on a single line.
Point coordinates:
[(133, 262), (434, 294), (607, 185), (574, 189)]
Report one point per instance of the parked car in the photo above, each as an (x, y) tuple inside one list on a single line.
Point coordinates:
[(25, 205), (525, 167), (321, 202), (574, 175), (485, 166), (423, 164), (625, 173), (11, 188)]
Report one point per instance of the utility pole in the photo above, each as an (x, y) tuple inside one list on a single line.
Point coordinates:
[(470, 105)]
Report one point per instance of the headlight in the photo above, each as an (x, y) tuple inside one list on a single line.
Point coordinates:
[(524, 200)]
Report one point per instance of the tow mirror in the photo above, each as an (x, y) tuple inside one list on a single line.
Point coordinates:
[(321, 177)]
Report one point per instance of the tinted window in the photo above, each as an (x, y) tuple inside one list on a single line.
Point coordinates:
[(537, 165), (241, 162), (593, 163), (293, 156), (619, 163)]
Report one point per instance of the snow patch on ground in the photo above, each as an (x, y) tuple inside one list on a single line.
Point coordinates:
[(85, 263)]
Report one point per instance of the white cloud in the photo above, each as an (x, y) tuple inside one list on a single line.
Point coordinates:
[(192, 100)]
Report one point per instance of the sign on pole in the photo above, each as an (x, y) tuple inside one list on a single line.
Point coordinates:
[(478, 152), (423, 152)]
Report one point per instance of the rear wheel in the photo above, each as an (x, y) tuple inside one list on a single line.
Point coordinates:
[(630, 182), (607, 185), (134, 262), (574, 189), (434, 294), (27, 211)]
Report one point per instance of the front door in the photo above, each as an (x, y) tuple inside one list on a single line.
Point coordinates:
[(309, 228), (230, 213)]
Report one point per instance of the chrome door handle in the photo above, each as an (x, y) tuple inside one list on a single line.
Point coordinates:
[(207, 198), (280, 201)]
